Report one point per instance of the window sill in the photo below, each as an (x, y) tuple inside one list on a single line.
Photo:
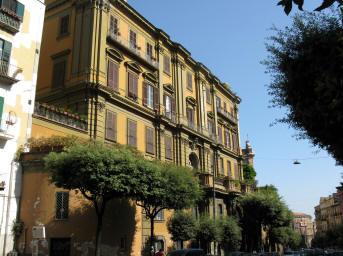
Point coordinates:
[(159, 221)]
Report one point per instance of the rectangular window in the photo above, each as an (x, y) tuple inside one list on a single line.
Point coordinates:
[(190, 117), (169, 149), (2, 101), (211, 128), (212, 162), (5, 53), (160, 216), (132, 85), (166, 64), (62, 204), (133, 40), (59, 246), (113, 25), (113, 75), (236, 172), (234, 142), (111, 126), (225, 111), (149, 51), (227, 139), (150, 96), (13, 6), (218, 102), (64, 25), (189, 81), (229, 168), (58, 74), (220, 135), (167, 105), (220, 209), (208, 96), (132, 133), (221, 160), (149, 140)]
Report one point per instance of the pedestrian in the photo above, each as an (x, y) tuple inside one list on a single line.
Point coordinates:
[(159, 253)]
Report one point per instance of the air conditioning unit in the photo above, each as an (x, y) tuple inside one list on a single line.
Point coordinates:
[(38, 232)]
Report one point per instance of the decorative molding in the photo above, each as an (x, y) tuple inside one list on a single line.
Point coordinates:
[(221, 121), (169, 88), (134, 66), (60, 54), (151, 77), (191, 101), (210, 114), (114, 53)]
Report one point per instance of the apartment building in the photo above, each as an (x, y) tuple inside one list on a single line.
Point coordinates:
[(134, 85), (21, 24), (304, 226)]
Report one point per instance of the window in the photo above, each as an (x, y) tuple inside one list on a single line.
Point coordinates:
[(236, 171), (62, 202), (212, 162), (220, 209), (150, 140), (151, 96), (189, 81), (234, 142), (113, 26), (227, 139), (13, 6), (59, 246), (132, 133), (208, 96), (2, 101), (58, 74), (133, 39), (111, 126), (166, 64), (149, 51), (218, 102), (5, 53), (123, 243), (229, 168), (210, 127), (169, 104), (225, 111), (112, 75), (221, 166), (64, 25), (190, 116), (132, 85), (159, 216), (169, 149), (220, 134)]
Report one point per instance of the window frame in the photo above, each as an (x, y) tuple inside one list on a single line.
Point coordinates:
[(189, 81), (166, 64), (130, 135), (114, 116), (63, 194), (57, 77), (148, 143), (168, 150), (64, 25)]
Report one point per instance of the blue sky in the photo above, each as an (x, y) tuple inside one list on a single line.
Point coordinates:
[(229, 38)]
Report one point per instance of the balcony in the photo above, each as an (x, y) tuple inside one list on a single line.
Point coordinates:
[(7, 129), (205, 179), (8, 73), (223, 112), (232, 185), (168, 114), (136, 50), (9, 21)]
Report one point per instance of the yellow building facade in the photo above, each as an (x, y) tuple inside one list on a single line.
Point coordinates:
[(133, 85), (21, 25)]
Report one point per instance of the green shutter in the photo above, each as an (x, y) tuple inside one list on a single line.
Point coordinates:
[(2, 100), (20, 10), (6, 51)]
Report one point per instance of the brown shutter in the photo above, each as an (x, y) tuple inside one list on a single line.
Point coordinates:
[(173, 106), (156, 98), (220, 135), (166, 64), (212, 163), (222, 165), (111, 126), (229, 168), (150, 140), (208, 96), (189, 81), (132, 133), (168, 145), (58, 74), (225, 138), (129, 84), (110, 81), (115, 76), (145, 93), (236, 172), (135, 85), (224, 106)]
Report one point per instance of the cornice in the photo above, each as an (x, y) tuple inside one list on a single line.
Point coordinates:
[(169, 88), (151, 77), (114, 53), (191, 101), (134, 66)]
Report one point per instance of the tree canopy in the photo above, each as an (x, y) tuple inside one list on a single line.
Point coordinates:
[(206, 231), (229, 233), (306, 65), (288, 4), (249, 172)]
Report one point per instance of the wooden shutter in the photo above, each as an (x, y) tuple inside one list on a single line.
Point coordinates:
[(113, 24), (156, 98), (212, 163), (225, 107), (111, 126), (168, 145), (129, 83), (110, 81), (234, 142), (220, 134), (150, 140), (166, 64), (115, 76), (135, 85), (2, 101), (133, 38), (189, 81), (145, 93), (218, 102), (225, 138), (64, 25), (132, 85), (236, 172), (132, 133), (6, 53), (173, 106), (222, 166), (58, 75), (208, 96), (20, 11)]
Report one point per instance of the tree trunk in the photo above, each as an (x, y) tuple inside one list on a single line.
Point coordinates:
[(152, 238), (98, 235)]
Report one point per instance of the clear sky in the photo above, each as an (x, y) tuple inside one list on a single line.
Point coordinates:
[(229, 38)]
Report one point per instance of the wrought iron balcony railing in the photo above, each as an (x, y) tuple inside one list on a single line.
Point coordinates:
[(9, 72), (227, 114)]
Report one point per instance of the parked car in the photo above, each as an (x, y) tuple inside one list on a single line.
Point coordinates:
[(187, 252)]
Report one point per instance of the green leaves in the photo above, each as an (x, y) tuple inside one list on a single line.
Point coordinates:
[(249, 172), (181, 226), (287, 4)]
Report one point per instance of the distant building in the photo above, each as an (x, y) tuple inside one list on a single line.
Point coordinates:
[(248, 154), (304, 226), (329, 212)]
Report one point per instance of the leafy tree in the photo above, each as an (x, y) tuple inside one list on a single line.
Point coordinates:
[(229, 233), (182, 226), (306, 64), (99, 172), (249, 172), (168, 187), (206, 231), (287, 4)]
